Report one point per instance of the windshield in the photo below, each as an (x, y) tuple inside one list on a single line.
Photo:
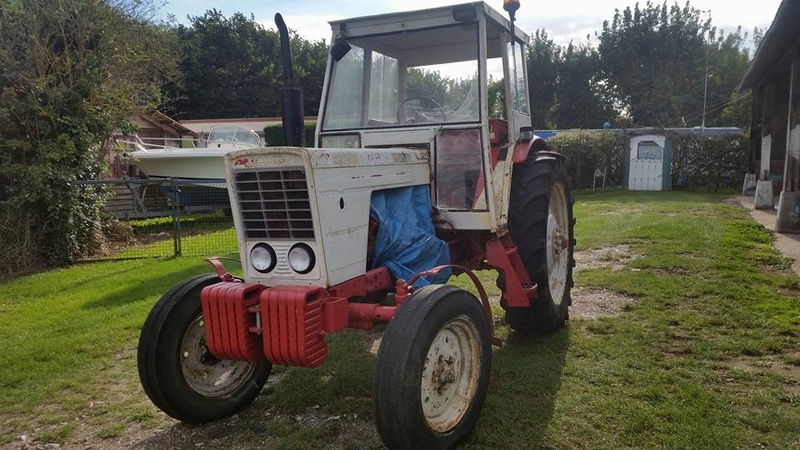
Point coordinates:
[(406, 79), (233, 134)]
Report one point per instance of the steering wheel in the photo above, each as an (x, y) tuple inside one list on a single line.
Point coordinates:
[(418, 105)]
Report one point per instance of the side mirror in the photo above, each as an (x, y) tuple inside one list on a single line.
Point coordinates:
[(339, 48)]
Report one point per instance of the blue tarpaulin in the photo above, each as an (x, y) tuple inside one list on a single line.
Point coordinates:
[(406, 243)]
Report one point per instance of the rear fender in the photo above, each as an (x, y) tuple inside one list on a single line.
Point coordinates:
[(537, 144)]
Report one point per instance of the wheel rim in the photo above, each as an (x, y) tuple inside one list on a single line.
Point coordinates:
[(203, 372), (450, 374), (558, 239)]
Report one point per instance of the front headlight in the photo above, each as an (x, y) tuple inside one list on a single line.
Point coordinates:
[(301, 258), (262, 258)]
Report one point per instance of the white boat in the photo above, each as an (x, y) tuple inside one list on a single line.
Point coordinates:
[(203, 161)]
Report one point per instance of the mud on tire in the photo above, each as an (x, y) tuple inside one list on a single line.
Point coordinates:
[(541, 223), (175, 368), (432, 370)]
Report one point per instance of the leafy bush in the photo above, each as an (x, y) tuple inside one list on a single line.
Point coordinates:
[(587, 151), (273, 134), (709, 161), (70, 77)]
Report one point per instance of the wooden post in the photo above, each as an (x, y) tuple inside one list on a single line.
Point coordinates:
[(788, 219)]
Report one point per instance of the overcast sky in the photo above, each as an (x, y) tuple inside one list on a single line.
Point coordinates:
[(564, 20)]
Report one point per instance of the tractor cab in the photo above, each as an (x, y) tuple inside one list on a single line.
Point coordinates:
[(450, 80)]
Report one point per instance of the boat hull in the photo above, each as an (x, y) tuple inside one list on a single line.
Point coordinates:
[(203, 163)]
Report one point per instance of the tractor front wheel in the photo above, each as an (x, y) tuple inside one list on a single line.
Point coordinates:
[(432, 369), (541, 223), (176, 369)]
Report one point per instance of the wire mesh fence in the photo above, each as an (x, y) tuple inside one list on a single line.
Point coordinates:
[(164, 218)]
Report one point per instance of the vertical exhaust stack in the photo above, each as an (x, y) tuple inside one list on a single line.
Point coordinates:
[(511, 7), (291, 96)]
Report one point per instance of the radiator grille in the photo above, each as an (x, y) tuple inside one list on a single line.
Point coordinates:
[(274, 204)]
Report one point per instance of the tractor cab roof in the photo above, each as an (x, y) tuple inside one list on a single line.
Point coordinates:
[(425, 19)]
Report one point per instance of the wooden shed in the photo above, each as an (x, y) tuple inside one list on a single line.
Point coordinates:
[(774, 78)]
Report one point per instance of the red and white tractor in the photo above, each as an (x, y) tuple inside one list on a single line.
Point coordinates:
[(417, 173)]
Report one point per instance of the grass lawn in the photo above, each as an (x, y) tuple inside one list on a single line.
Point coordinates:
[(706, 355)]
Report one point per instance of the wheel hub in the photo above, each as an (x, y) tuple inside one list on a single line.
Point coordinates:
[(558, 243), (449, 374), (205, 373), (444, 373), (206, 356)]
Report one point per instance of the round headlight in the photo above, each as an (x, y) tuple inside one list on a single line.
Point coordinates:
[(301, 258), (262, 258)]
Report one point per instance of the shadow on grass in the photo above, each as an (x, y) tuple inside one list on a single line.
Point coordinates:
[(526, 378), (74, 282), (151, 283), (249, 428), (326, 407), (654, 196)]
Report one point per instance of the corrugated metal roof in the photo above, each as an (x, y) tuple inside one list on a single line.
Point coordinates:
[(783, 35), (163, 122)]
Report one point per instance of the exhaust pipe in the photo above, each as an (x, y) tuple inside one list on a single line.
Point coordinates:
[(292, 114)]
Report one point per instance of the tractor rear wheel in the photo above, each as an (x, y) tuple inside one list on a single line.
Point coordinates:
[(432, 369), (176, 369), (541, 224)]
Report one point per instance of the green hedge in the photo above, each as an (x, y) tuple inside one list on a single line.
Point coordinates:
[(273, 134), (698, 162), (709, 162), (587, 151)]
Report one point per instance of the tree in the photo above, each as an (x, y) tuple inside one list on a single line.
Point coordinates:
[(580, 99), (232, 68), (544, 58), (654, 60), (564, 86), (72, 71), (727, 63), (426, 83), (310, 61), (497, 98)]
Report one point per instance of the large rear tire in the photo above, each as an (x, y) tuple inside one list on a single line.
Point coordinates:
[(176, 370), (541, 223), (432, 370)]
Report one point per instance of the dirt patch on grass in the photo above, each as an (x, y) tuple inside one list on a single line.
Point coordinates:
[(615, 258), (594, 303), (787, 365)]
